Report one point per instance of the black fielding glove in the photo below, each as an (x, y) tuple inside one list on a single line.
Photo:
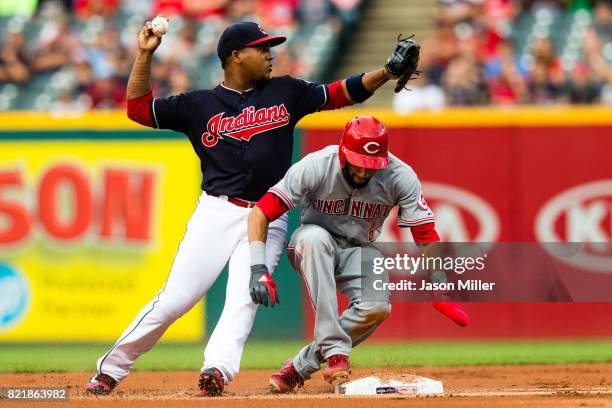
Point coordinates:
[(404, 61)]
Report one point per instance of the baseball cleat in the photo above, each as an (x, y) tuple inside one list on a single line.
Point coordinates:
[(286, 379), (338, 369), (101, 384), (211, 383)]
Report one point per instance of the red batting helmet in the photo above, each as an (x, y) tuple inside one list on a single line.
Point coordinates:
[(365, 143)]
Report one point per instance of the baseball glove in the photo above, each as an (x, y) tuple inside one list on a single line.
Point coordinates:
[(404, 61)]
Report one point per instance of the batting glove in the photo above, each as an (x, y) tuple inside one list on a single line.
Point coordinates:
[(262, 287), (453, 311), (444, 303)]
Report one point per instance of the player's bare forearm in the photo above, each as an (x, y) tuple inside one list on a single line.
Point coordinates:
[(370, 82), (139, 83), (257, 225), (375, 79)]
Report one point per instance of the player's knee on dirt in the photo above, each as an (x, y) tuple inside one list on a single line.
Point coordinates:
[(373, 312), (315, 239)]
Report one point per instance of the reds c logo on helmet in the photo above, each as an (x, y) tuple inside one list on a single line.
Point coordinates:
[(365, 143), (371, 147)]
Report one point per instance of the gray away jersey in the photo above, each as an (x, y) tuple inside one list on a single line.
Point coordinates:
[(356, 214)]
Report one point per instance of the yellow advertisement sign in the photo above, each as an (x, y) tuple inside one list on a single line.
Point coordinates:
[(88, 232)]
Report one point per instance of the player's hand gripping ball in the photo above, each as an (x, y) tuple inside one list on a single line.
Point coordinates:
[(159, 25), (404, 61)]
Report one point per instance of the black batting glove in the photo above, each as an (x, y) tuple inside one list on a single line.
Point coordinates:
[(262, 287)]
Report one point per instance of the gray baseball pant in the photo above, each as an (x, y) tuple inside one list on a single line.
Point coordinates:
[(326, 264)]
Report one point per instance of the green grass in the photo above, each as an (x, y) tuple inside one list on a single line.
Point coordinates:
[(269, 355)]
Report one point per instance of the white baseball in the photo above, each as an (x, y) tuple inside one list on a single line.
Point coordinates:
[(159, 25)]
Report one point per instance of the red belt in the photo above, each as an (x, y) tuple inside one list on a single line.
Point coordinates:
[(234, 200)]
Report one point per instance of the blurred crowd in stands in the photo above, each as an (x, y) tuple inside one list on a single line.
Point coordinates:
[(74, 55), (508, 52)]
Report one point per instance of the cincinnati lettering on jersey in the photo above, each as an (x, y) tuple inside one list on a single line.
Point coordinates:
[(359, 209), (245, 125)]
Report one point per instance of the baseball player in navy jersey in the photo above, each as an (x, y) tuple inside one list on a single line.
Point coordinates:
[(242, 131), (346, 193)]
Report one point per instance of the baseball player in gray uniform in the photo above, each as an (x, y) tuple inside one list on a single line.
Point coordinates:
[(346, 193)]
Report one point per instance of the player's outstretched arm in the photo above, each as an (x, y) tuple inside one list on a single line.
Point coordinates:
[(401, 66), (356, 89), (375, 79)]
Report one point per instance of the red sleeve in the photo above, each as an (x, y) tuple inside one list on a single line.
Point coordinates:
[(272, 206), (336, 98), (139, 109), (425, 233)]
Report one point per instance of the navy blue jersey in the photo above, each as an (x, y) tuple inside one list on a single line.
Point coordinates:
[(244, 140)]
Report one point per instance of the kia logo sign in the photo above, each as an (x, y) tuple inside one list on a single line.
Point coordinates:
[(367, 147), (461, 216), (580, 214)]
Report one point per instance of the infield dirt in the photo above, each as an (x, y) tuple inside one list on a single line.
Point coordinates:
[(577, 385)]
